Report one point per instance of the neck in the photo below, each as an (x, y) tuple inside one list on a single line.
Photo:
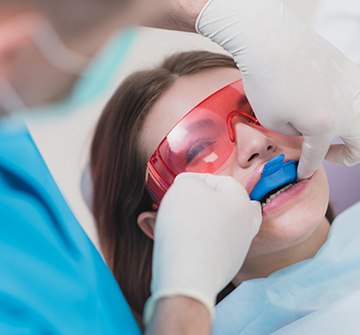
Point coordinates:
[(264, 265)]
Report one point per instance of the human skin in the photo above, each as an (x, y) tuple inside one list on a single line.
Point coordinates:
[(294, 225), (168, 14)]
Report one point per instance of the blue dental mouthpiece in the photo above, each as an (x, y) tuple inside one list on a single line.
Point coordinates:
[(275, 175)]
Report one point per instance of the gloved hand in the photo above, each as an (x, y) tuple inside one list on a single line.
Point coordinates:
[(295, 80), (204, 228)]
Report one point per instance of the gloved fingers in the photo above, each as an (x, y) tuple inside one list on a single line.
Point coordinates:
[(280, 126), (336, 153), (229, 187), (189, 175), (257, 206), (190, 179), (256, 217), (215, 182), (347, 154), (225, 184), (255, 203), (314, 149)]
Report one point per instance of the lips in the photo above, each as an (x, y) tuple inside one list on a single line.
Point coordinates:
[(275, 193)]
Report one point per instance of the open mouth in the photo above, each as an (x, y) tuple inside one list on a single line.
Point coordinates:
[(277, 177), (275, 192)]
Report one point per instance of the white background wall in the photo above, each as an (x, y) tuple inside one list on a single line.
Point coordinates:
[(64, 141)]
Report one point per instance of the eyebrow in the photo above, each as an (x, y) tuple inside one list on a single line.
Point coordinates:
[(242, 103)]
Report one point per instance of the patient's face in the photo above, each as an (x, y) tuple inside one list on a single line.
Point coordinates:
[(287, 220)]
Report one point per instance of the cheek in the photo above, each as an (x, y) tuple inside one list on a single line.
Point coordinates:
[(231, 168)]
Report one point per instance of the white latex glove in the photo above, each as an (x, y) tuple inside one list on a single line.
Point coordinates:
[(295, 80), (339, 23), (204, 228)]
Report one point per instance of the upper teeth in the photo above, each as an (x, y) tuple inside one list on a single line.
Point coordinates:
[(276, 194)]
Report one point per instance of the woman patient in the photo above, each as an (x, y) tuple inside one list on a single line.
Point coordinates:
[(140, 114)]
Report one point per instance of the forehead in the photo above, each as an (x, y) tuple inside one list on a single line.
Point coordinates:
[(178, 100)]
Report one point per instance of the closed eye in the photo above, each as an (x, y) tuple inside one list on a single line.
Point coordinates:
[(197, 148)]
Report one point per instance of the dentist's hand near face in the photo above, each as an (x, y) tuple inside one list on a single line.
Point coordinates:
[(295, 80), (204, 228)]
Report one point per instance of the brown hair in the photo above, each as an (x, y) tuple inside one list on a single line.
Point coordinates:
[(118, 170)]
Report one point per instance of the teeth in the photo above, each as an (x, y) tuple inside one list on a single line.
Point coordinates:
[(276, 194)]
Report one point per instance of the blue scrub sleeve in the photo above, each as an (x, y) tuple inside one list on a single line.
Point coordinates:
[(52, 279)]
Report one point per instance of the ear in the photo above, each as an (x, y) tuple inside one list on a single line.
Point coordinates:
[(15, 33), (146, 222)]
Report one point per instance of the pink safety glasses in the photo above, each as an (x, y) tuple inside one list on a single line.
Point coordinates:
[(202, 141)]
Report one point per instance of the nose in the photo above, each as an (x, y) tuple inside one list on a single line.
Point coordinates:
[(252, 145)]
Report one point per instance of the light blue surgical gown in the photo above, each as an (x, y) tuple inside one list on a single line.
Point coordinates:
[(52, 279), (318, 296)]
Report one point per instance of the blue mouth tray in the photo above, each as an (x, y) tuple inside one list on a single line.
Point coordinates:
[(275, 174)]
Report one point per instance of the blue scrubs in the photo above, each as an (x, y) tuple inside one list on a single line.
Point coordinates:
[(52, 279), (318, 296)]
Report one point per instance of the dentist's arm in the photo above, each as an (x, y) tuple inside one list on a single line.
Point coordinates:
[(204, 228)]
